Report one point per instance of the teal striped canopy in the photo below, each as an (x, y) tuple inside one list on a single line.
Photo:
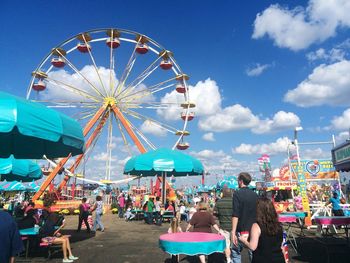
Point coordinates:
[(156, 162), (13, 186), (12, 169), (30, 130)]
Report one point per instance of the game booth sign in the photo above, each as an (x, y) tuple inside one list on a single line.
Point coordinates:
[(312, 183)]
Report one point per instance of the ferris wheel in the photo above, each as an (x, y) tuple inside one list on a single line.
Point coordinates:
[(116, 83)]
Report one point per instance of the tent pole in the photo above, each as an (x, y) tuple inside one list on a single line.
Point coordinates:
[(163, 187)]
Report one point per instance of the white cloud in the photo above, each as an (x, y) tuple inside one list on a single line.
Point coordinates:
[(213, 118), (342, 137), (300, 27), (208, 154), (278, 147), (208, 137), (59, 91), (281, 121), (152, 128), (326, 85), (205, 94), (332, 55), (257, 69), (219, 161), (237, 117), (102, 156), (317, 153), (341, 122)]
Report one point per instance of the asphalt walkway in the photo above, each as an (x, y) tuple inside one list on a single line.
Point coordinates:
[(137, 242)]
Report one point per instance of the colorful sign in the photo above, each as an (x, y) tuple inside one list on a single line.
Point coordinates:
[(316, 169), (303, 191), (276, 185), (265, 166)]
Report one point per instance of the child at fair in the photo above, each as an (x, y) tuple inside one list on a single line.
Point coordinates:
[(175, 228), (128, 215)]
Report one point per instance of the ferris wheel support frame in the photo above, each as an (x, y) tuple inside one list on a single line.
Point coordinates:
[(105, 108), (81, 156), (61, 164)]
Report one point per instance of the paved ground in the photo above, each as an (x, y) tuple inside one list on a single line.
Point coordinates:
[(134, 242)]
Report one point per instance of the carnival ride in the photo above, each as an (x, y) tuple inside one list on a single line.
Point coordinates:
[(133, 98)]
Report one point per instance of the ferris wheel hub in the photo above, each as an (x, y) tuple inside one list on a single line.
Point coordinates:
[(109, 101)]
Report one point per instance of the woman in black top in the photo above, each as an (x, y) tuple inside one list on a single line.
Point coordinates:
[(266, 235)]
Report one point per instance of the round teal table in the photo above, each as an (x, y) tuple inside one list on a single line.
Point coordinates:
[(192, 243)]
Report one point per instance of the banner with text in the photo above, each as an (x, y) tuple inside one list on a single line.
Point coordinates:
[(316, 169)]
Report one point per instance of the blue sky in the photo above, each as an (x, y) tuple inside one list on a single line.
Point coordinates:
[(258, 69)]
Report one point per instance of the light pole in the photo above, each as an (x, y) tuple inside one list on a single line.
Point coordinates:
[(299, 128)]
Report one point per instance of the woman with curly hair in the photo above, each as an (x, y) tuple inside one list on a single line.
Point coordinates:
[(266, 235)]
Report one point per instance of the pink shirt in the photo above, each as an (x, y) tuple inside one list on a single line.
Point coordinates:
[(122, 201)]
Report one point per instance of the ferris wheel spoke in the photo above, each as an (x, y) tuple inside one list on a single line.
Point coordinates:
[(109, 148), (139, 95), (152, 121), (143, 137), (111, 67), (67, 104), (151, 105), (141, 78), (124, 138), (71, 65), (92, 145), (72, 89), (151, 89), (96, 69), (85, 115), (126, 72)]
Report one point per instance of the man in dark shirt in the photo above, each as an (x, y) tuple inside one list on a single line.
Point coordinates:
[(223, 210), (243, 214), (10, 240)]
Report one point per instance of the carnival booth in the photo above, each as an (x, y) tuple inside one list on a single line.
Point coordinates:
[(318, 176)]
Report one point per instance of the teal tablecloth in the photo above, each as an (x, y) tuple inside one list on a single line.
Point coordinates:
[(192, 243), (29, 231)]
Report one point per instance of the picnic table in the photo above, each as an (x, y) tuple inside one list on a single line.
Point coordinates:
[(300, 219), (327, 221), (287, 221), (139, 214), (26, 234), (192, 243)]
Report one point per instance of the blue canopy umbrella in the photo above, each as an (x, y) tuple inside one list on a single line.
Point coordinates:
[(229, 182), (13, 186), (165, 162), (203, 189), (189, 191), (31, 130), (12, 169), (34, 186)]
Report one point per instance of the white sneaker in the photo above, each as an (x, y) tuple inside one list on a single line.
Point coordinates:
[(67, 260), (73, 258)]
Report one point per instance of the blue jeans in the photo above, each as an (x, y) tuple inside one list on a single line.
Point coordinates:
[(98, 221), (236, 253), (121, 211), (149, 218)]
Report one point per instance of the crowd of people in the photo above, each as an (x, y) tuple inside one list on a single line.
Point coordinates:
[(246, 221)]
